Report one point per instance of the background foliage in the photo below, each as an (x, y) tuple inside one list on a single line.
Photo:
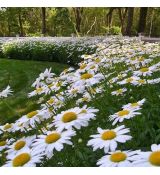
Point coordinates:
[(78, 21)]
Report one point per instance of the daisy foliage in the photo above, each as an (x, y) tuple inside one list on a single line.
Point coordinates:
[(103, 112)]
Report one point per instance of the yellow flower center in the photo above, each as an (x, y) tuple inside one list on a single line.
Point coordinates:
[(50, 85), (133, 58), (97, 60), (129, 80), (65, 70), (69, 116), (86, 76), (32, 114), (59, 84), (74, 91), (51, 138), (108, 135), (118, 157), (50, 101), (21, 159), (154, 158), (83, 66), (93, 90), (145, 69), (38, 90), (51, 109), (134, 104), (19, 145), (141, 81), (110, 81), (2, 143), (83, 111), (119, 91), (86, 56), (122, 113), (7, 126), (141, 59), (92, 67), (120, 76), (85, 99)]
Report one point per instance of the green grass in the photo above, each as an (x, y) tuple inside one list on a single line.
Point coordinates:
[(20, 75)]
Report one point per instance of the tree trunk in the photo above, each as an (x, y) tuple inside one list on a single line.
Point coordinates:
[(78, 11), (43, 20), (9, 27), (129, 21), (20, 23), (122, 16), (142, 19), (109, 17)]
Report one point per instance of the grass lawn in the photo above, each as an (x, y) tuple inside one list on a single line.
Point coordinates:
[(20, 75)]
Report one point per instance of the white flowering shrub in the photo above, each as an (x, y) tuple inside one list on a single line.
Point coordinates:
[(49, 49)]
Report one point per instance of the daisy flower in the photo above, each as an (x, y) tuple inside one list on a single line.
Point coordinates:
[(20, 145), (154, 81), (6, 92), (34, 117), (70, 69), (46, 74), (7, 127), (119, 92), (126, 113), (130, 80), (5, 143), (86, 98), (25, 158), (20, 126), (117, 159), (139, 82), (149, 158), (115, 79), (52, 140), (73, 118), (145, 71), (96, 90), (108, 139), (44, 77), (135, 105), (37, 91), (88, 112), (74, 91), (88, 78)]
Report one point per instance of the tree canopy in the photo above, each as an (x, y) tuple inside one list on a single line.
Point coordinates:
[(79, 21)]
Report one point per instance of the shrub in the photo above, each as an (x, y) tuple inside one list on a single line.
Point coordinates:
[(1, 52), (114, 30), (47, 49)]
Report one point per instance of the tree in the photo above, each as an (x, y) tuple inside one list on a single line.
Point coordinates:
[(129, 21), (78, 11), (142, 19), (21, 33), (109, 16), (43, 20), (122, 15)]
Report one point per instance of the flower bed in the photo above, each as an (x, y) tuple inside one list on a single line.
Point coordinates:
[(106, 113), (64, 50)]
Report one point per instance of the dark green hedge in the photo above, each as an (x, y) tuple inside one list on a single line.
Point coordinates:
[(1, 52), (67, 51)]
